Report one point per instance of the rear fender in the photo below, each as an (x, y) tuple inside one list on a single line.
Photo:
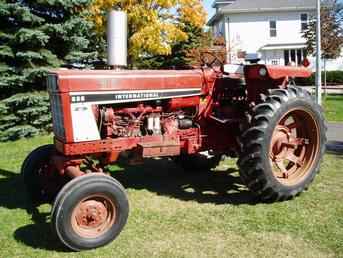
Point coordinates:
[(261, 78)]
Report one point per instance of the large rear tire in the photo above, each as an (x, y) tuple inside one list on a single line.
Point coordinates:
[(283, 148), (90, 211)]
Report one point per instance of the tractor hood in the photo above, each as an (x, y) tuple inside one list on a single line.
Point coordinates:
[(63, 80)]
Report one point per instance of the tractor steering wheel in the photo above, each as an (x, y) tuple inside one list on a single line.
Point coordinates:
[(206, 63)]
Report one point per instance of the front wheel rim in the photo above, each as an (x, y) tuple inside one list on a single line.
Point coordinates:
[(93, 216), (294, 146)]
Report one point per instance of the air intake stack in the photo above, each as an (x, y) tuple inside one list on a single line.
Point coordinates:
[(117, 39)]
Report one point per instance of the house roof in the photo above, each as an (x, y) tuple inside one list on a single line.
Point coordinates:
[(283, 46), (265, 5), (249, 6), (221, 2)]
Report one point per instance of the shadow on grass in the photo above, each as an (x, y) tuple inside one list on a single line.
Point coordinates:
[(334, 147), (13, 196), (39, 236), (164, 177), (12, 192), (160, 176)]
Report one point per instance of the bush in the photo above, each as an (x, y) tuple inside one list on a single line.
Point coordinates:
[(24, 115), (332, 78)]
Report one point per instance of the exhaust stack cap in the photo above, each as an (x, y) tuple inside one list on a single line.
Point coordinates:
[(117, 39)]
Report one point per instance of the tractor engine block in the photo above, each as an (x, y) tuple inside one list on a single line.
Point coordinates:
[(139, 121)]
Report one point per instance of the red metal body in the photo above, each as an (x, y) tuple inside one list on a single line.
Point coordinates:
[(148, 112), (64, 82), (109, 80)]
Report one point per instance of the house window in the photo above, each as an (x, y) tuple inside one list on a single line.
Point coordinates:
[(294, 56), (304, 21), (272, 29)]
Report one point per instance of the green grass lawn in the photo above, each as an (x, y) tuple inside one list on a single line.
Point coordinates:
[(178, 215), (333, 106)]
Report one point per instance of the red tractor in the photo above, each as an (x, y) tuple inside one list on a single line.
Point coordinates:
[(253, 112)]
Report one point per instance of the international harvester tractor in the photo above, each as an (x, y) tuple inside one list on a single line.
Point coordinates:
[(191, 116)]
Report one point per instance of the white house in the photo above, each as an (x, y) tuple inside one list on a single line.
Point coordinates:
[(270, 28)]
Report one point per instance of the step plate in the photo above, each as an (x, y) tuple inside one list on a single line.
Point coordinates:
[(159, 149)]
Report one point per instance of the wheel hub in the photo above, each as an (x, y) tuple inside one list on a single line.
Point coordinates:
[(91, 213), (93, 216)]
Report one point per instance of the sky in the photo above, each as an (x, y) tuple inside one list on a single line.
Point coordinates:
[(209, 9)]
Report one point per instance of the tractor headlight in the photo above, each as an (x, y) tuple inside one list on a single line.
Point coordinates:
[(263, 72)]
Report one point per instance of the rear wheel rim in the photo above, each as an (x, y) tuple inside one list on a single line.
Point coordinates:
[(294, 146), (93, 216)]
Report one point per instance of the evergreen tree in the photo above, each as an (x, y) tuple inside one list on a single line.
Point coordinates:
[(38, 35)]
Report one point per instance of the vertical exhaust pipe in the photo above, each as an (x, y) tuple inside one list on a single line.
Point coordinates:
[(117, 39)]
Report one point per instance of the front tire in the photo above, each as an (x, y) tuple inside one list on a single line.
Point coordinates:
[(89, 212), (283, 148)]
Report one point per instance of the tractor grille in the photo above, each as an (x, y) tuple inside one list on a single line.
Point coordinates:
[(57, 115)]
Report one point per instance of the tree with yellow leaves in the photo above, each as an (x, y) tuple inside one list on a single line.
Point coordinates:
[(154, 25)]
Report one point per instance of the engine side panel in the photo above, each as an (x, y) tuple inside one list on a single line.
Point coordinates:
[(84, 124)]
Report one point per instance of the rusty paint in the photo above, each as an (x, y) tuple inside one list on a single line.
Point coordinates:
[(294, 146), (93, 216)]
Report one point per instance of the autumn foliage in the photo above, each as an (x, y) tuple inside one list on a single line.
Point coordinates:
[(331, 29), (154, 25)]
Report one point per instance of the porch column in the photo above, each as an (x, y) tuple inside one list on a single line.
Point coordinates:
[(227, 39)]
